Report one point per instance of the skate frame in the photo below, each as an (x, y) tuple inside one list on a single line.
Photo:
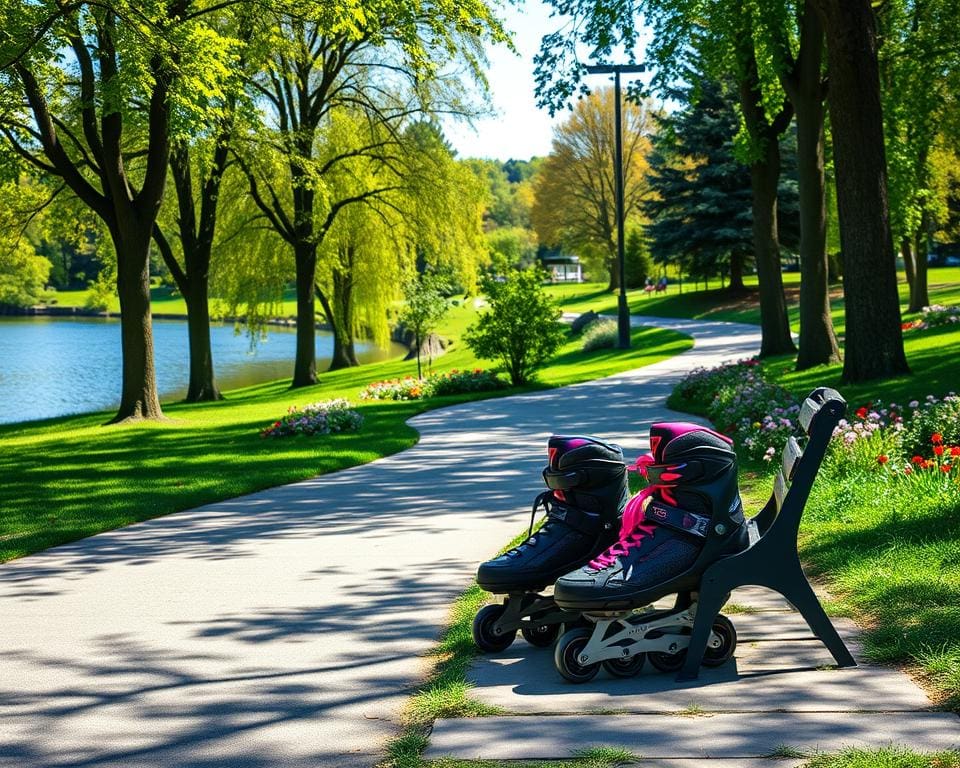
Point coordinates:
[(630, 633), (772, 560), (532, 610)]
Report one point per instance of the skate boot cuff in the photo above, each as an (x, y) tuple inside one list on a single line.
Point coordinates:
[(597, 472)]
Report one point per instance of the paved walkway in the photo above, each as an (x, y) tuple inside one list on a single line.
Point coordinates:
[(287, 628)]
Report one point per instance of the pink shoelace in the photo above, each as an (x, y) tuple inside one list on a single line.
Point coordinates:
[(632, 528)]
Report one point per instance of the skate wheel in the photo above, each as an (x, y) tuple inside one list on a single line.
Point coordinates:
[(667, 662), (542, 636), (625, 667), (724, 629), (483, 634), (569, 647)]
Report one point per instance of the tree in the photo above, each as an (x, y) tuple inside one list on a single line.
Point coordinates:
[(425, 305), (511, 248), (197, 167), (874, 338), (23, 271), (521, 329), (721, 34), (790, 40), (700, 209), (919, 72), (390, 62), (636, 259), (93, 94), (574, 203)]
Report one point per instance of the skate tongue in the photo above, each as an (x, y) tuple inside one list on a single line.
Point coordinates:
[(633, 529)]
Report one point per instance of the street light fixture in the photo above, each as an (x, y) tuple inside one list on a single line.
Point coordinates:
[(623, 312)]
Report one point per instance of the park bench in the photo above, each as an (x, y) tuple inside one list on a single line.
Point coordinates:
[(772, 559)]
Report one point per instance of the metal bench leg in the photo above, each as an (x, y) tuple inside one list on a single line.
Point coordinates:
[(801, 595), (713, 595)]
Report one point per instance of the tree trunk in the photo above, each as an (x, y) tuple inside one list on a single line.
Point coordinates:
[(874, 338), (909, 265), (138, 396), (736, 273), (919, 294), (305, 364), (818, 340), (764, 183), (774, 323), (339, 359), (203, 385), (343, 303)]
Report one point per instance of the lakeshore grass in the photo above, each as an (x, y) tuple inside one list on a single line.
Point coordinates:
[(71, 477)]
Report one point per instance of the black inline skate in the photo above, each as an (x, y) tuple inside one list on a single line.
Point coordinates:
[(587, 479), (688, 517)]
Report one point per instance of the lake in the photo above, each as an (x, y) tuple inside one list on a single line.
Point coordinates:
[(54, 366)]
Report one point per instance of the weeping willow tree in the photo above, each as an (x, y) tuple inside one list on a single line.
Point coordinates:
[(390, 62), (428, 216)]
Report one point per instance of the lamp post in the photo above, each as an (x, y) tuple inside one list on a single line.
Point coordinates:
[(623, 312)]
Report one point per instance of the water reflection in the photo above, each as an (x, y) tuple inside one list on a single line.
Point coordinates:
[(56, 366)]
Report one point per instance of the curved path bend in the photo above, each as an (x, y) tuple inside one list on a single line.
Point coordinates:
[(287, 628)]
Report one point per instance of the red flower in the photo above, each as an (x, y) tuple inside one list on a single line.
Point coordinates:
[(938, 450), (917, 460), (907, 471), (955, 450), (862, 412), (936, 438), (883, 458), (945, 468)]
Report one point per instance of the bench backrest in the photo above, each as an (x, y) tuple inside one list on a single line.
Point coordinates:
[(819, 415)]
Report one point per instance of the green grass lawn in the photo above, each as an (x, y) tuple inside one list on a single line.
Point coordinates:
[(717, 304), (71, 477)]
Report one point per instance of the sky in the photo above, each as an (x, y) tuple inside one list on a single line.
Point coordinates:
[(519, 129)]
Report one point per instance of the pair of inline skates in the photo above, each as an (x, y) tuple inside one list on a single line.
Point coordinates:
[(610, 556)]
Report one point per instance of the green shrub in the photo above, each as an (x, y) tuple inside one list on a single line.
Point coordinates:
[(600, 334), (521, 328)]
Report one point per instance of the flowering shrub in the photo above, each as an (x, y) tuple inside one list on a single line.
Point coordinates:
[(451, 383), (600, 334), (316, 419), (930, 417), (455, 382), (761, 416), (758, 415), (932, 317), (408, 388)]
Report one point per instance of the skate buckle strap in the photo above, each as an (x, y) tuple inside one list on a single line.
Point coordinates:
[(677, 519), (574, 517)]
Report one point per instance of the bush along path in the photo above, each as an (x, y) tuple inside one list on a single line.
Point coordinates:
[(288, 627), (780, 701)]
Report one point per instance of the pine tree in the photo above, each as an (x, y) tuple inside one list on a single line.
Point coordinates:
[(701, 211)]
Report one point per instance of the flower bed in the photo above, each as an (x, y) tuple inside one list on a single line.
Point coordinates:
[(760, 416), (451, 383), (933, 317), (316, 419)]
